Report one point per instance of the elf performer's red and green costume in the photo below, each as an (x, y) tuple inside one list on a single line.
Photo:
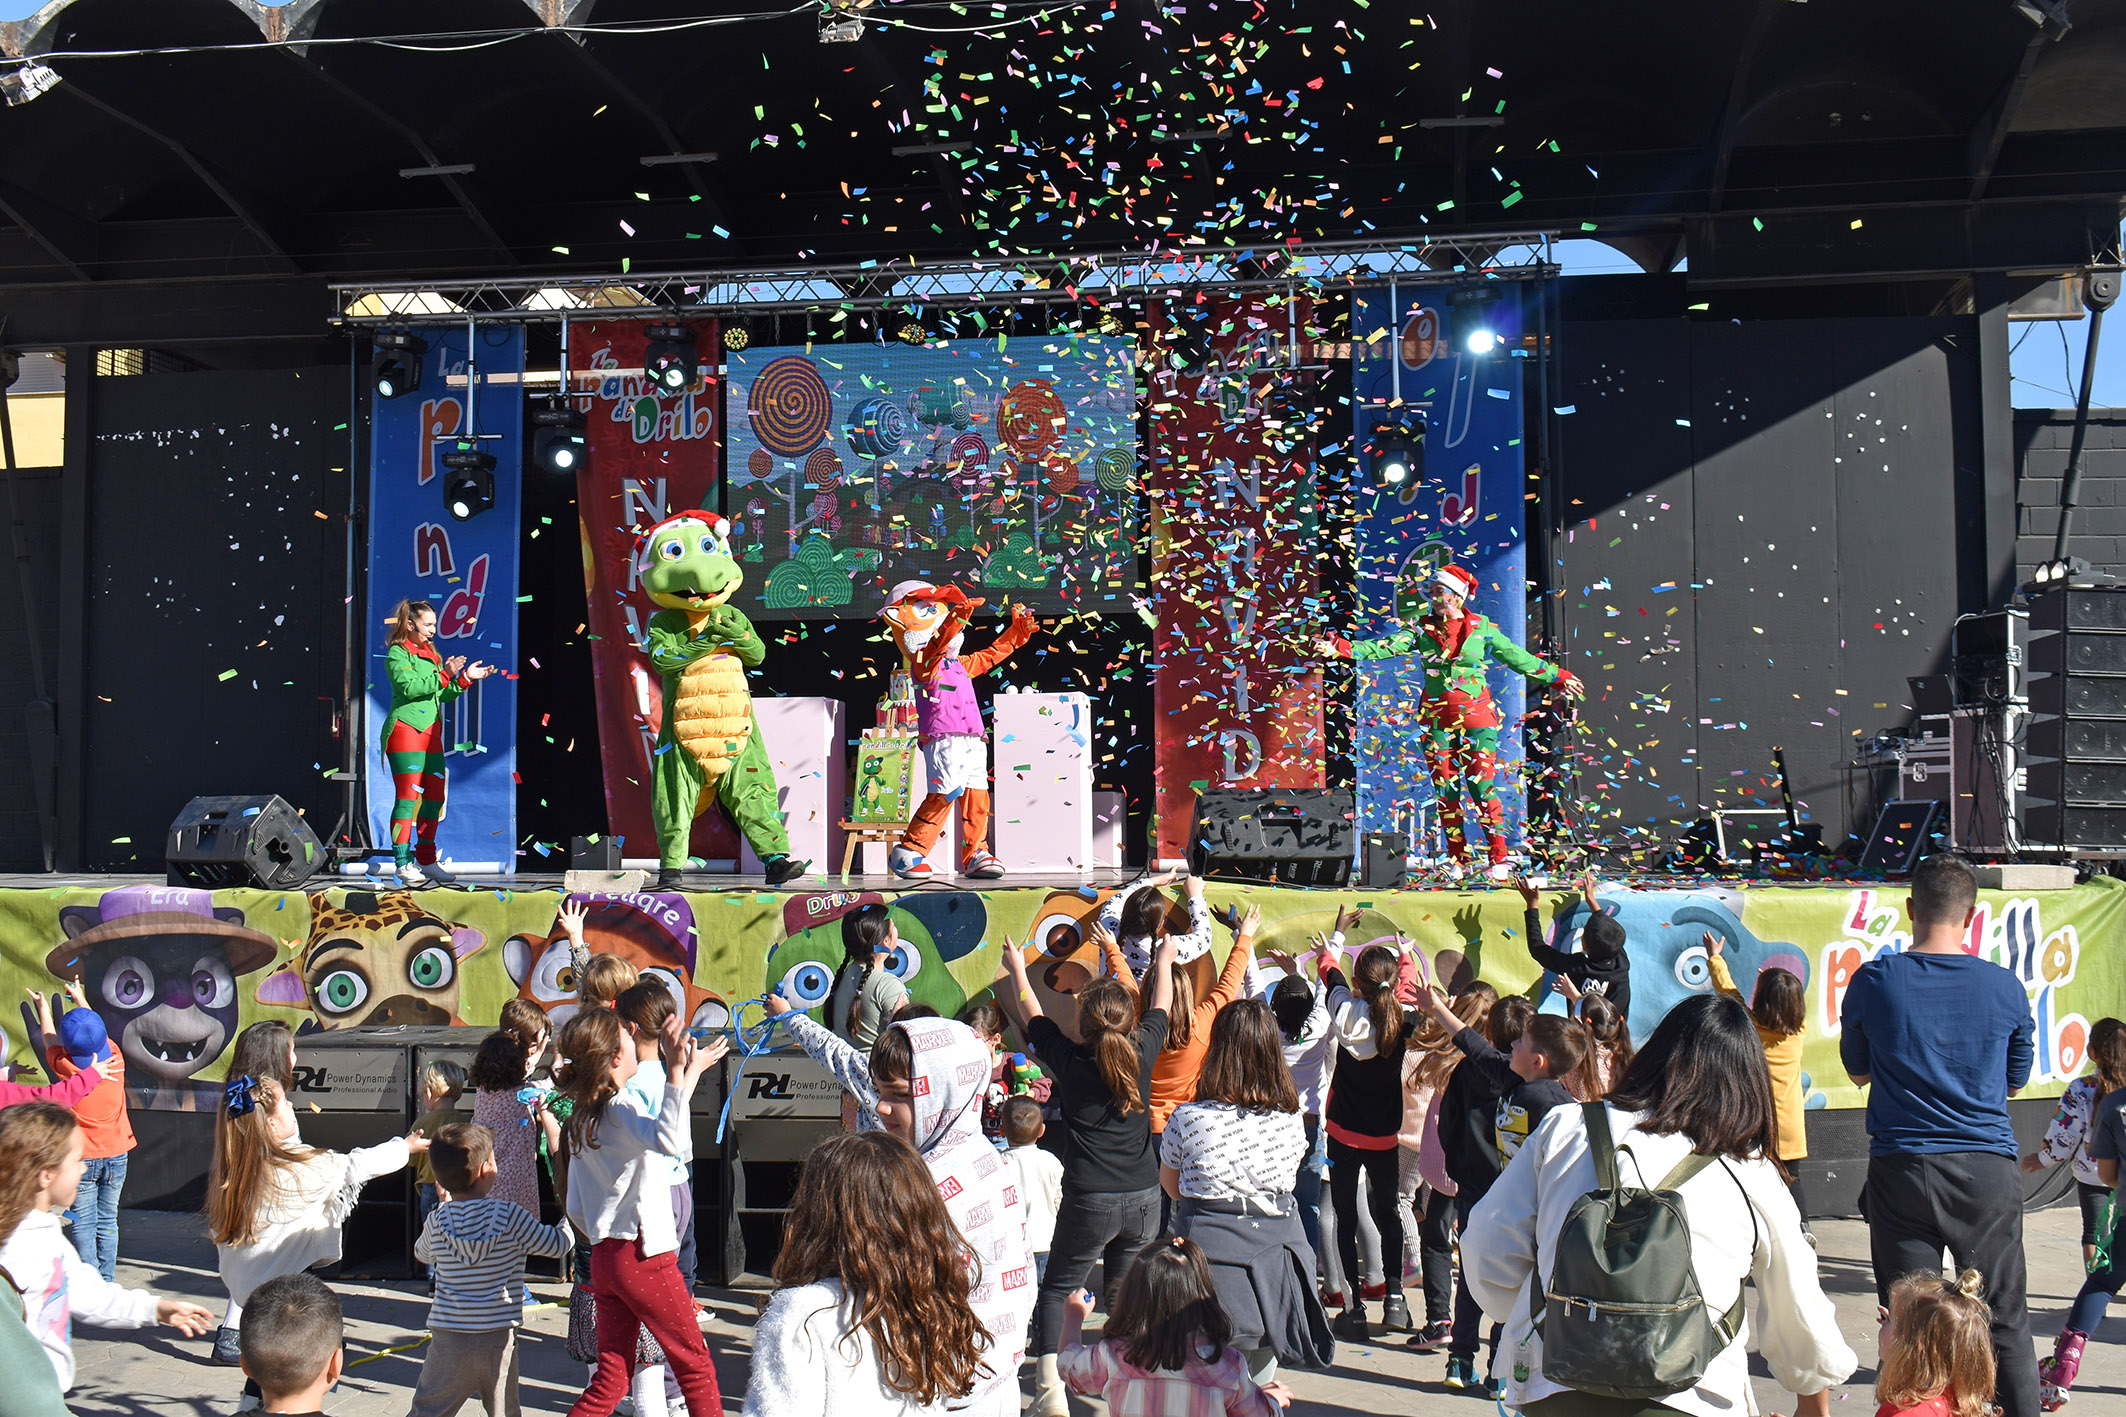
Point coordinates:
[(414, 748), (1459, 717)]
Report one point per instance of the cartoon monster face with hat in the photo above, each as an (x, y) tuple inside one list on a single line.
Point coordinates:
[(160, 965)]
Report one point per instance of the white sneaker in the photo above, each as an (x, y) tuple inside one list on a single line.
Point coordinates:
[(411, 874)]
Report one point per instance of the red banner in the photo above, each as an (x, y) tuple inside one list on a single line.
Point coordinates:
[(651, 454), (1238, 692)]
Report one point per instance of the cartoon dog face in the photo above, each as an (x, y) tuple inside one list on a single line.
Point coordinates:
[(378, 959), (1665, 937), (936, 928), (655, 933), (1060, 960), (160, 965)]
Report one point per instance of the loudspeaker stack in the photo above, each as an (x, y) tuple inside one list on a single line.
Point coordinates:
[(2076, 761)]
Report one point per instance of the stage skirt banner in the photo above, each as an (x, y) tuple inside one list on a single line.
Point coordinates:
[(650, 455), (347, 958), (1412, 354), (466, 569), (1237, 551)]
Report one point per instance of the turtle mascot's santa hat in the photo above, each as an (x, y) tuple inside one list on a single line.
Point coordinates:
[(927, 624)]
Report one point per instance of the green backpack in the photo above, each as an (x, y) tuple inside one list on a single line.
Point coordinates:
[(1622, 1315)]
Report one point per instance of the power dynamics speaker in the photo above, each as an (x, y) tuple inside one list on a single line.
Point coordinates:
[(1290, 836), (218, 842), (2075, 747)]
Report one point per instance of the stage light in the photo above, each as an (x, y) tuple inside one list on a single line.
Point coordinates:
[(735, 337), (1397, 450), (669, 357), (1481, 340), (912, 333), (557, 439), (398, 362), (468, 482)]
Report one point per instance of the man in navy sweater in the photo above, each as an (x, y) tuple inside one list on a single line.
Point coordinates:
[(1941, 1039)]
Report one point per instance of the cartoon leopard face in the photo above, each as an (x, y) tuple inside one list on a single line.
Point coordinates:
[(376, 959)]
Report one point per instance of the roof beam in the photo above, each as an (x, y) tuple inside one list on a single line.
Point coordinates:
[(1991, 130), (66, 238), (275, 252), (714, 199), (460, 190), (1737, 96)]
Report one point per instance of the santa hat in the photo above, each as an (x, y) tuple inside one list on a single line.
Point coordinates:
[(1455, 579), (644, 541)]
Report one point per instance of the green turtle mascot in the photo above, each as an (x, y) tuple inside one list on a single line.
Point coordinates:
[(709, 750)]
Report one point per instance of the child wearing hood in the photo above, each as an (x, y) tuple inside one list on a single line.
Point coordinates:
[(931, 1075), (475, 1243)]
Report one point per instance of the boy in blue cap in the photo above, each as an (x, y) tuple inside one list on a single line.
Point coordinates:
[(79, 1042)]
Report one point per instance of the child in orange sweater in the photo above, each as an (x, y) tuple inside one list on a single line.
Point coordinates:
[(80, 1041)]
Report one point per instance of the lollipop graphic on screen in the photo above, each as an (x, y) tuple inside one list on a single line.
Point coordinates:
[(1115, 469), (877, 428), (790, 406), (1031, 418)]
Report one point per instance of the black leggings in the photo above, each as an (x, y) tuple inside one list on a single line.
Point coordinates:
[(1383, 1174)]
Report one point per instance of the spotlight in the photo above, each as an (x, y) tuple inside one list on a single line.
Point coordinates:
[(735, 337), (669, 357), (912, 333), (1481, 340), (1397, 450), (468, 482), (557, 438), (398, 362)]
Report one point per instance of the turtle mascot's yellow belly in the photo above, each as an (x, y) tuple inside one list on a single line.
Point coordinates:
[(712, 717)]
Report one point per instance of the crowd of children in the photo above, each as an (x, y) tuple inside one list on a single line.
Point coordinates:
[(1172, 1140)]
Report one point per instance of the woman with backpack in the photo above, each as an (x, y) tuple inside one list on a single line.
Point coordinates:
[(1679, 1161)]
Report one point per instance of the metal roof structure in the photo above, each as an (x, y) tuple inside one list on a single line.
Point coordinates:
[(206, 169)]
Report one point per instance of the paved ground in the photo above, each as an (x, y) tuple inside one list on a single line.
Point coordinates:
[(157, 1372)]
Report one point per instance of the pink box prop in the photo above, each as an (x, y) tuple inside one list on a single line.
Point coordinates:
[(803, 738), (1042, 765)]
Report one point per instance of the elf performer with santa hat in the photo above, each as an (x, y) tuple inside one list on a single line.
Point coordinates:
[(1460, 719)]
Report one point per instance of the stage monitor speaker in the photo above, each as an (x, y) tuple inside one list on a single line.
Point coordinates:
[(1287, 836), (1387, 861), (1903, 834), (594, 853), (218, 842)]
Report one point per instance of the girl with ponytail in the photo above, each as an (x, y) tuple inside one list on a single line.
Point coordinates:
[(866, 994), (1103, 1082), (1371, 1030)]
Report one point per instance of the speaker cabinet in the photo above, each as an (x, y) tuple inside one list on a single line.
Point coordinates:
[(1288, 836), (218, 842)]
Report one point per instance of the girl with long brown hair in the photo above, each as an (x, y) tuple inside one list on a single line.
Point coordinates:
[(1779, 1008), (414, 744), (274, 1205), (2073, 1126), (1166, 1331), (1188, 1018), (1364, 1125), (40, 1167), (1111, 1192), (1228, 1160), (620, 1202), (871, 1310)]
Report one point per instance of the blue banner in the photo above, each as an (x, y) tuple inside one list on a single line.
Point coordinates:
[(466, 569), (1414, 354)]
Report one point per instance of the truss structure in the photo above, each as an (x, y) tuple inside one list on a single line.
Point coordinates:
[(917, 286)]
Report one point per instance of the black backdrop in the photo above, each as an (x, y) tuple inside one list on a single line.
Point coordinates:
[(206, 553), (1818, 481)]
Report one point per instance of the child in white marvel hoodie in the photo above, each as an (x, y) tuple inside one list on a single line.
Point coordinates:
[(40, 1165), (475, 1243)]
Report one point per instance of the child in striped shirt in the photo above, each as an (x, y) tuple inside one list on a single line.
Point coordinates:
[(474, 1244)]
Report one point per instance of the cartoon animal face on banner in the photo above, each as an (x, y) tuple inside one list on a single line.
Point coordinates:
[(1060, 960), (653, 932), (1665, 937), (936, 928), (377, 959), (160, 965)]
